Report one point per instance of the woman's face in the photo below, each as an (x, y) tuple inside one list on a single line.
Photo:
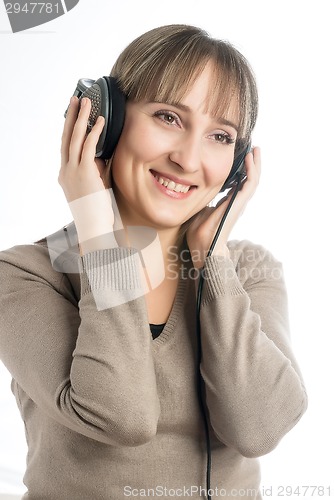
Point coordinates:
[(171, 160)]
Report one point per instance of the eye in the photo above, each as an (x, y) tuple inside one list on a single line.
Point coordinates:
[(167, 117), (223, 138)]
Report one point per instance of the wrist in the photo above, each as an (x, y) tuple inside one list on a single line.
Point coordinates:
[(198, 256), (94, 220), (221, 251)]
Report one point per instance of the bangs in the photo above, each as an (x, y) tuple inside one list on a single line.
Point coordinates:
[(171, 85)]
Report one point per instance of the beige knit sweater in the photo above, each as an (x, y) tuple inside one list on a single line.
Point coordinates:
[(110, 413)]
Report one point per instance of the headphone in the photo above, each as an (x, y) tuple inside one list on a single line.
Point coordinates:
[(109, 101)]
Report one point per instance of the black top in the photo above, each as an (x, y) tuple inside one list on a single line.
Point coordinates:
[(156, 330)]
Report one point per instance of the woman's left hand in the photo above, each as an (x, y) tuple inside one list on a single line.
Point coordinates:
[(202, 230)]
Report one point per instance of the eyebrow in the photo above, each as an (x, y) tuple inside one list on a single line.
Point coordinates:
[(183, 107)]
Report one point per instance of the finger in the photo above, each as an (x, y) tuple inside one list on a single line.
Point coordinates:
[(71, 116), (257, 156), (79, 132), (247, 190), (89, 146), (253, 164), (253, 170)]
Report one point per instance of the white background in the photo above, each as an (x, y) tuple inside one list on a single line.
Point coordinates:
[(289, 44)]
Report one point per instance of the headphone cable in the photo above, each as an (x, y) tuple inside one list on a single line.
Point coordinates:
[(200, 382)]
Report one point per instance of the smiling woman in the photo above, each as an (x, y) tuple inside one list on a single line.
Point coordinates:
[(98, 321)]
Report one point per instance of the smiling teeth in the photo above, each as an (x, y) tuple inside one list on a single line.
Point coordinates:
[(178, 188)]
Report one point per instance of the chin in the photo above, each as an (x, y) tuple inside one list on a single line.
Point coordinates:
[(166, 219)]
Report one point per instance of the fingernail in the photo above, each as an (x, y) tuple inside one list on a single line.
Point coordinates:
[(83, 101)]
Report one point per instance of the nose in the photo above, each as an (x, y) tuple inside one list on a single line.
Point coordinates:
[(187, 153)]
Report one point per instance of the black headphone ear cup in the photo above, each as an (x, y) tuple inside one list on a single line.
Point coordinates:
[(108, 101), (237, 168), (114, 123)]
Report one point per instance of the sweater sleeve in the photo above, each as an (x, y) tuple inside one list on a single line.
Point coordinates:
[(254, 389), (90, 370)]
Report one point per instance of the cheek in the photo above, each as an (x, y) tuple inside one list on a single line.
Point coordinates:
[(127, 154), (138, 143), (219, 170)]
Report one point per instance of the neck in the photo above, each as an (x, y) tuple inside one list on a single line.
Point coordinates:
[(169, 241), (160, 247), (139, 235)]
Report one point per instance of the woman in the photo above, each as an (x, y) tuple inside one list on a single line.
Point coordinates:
[(101, 338)]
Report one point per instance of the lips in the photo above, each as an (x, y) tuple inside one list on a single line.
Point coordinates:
[(172, 183)]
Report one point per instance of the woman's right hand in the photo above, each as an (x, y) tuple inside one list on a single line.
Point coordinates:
[(80, 173), (81, 177)]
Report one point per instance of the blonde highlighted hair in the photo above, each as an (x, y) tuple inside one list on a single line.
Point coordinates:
[(162, 64)]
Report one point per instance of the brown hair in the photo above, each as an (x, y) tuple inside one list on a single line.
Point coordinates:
[(162, 64)]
